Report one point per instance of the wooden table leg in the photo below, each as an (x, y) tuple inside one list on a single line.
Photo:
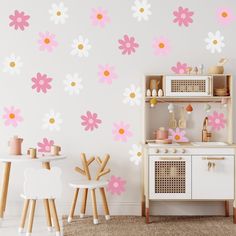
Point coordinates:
[(54, 216), (4, 189), (48, 215), (23, 215), (227, 208), (84, 201), (105, 205)]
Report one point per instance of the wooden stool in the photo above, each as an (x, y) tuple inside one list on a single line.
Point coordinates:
[(91, 185)]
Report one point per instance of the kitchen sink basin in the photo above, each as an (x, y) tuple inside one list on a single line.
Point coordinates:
[(208, 144)]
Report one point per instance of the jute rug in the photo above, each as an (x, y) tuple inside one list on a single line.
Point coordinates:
[(135, 225)]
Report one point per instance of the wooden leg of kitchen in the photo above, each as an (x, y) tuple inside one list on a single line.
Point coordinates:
[(4, 190), (147, 211), (143, 207), (234, 213), (227, 208)]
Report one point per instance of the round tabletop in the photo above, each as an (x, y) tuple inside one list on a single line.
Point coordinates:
[(22, 158)]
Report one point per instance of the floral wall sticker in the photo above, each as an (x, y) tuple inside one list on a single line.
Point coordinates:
[(161, 46), (12, 116), (121, 131), (215, 42), (178, 135), (180, 68), (141, 10), (225, 15), (19, 20), (47, 41), (80, 47), (217, 121), (128, 45), (41, 82), (45, 145), (12, 64), (73, 84), (183, 16), (116, 185), (52, 121), (99, 17), (90, 121), (106, 74), (58, 13), (132, 95), (136, 154)]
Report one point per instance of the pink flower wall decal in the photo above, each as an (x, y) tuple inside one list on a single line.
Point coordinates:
[(161, 46), (90, 121), (121, 131), (225, 15), (180, 68), (45, 145), (99, 17), (183, 16), (178, 135), (128, 45), (41, 83), (106, 74), (12, 116), (19, 20), (217, 121), (116, 185), (47, 41)]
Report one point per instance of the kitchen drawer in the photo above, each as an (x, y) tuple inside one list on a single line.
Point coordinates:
[(212, 177)]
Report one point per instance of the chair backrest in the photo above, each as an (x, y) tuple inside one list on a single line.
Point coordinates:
[(42, 183)]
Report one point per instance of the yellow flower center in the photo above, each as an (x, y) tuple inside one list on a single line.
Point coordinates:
[(121, 131), (51, 120), (47, 40), (177, 137), (141, 9), (58, 13), (132, 95), (73, 84), (224, 14), (106, 73), (80, 46), (12, 64), (11, 116), (99, 16), (139, 154), (214, 41), (161, 45)]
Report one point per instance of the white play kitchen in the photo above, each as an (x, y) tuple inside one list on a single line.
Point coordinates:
[(188, 140)]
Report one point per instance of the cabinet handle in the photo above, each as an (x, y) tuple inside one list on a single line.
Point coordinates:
[(171, 158), (213, 158)]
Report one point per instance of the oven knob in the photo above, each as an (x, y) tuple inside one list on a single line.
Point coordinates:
[(157, 151), (165, 150), (183, 151), (174, 150)]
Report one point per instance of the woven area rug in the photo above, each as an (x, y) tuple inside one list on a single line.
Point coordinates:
[(135, 225)]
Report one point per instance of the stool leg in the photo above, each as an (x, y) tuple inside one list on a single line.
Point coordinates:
[(48, 215), (23, 215), (31, 217), (54, 216), (84, 201), (95, 212), (72, 210), (105, 206)]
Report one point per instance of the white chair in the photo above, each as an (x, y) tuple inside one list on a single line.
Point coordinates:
[(91, 185), (41, 184)]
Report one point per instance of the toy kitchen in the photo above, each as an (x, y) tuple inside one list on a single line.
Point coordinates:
[(188, 140)]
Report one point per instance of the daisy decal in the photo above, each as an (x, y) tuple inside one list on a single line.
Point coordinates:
[(12, 64), (132, 95), (106, 74), (80, 47), (177, 135), (52, 121), (161, 46), (180, 68), (225, 16), (47, 41), (45, 145), (217, 121), (58, 13), (116, 185), (121, 131), (99, 17), (90, 121), (12, 116), (19, 20), (183, 16), (136, 154), (128, 45), (141, 10), (73, 84), (41, 82), (215, 42)]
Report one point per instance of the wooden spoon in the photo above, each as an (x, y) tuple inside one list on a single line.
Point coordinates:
[(182, 120), (172, 121)]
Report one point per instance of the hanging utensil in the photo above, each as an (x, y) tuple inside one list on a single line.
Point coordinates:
[(172, 121), (182, 120)]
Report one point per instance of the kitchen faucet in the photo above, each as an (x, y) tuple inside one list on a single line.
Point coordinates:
[(205, 134)]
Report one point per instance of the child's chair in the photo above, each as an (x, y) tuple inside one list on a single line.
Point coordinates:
[(91, 185), (41, 184)]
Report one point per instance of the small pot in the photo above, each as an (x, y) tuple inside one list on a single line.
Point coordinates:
[(55, 150), (15, 145), (161, 134), (216, 70)]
